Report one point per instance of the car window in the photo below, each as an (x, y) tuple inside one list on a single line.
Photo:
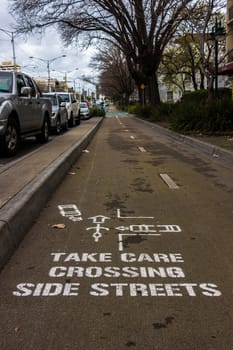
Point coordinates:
[(29, 83), (59, 99), (5, 82), (37, 87), (20, 83), (64, 97)]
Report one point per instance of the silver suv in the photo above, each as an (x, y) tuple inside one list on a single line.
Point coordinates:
[(23, 111)]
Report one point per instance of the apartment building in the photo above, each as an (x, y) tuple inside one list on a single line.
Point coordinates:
[(227, 68), (8, 65)]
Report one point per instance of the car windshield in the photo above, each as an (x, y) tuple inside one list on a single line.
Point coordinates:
[(64, 97), (5, 82)]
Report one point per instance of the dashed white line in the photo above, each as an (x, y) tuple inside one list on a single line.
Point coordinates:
[(141, 149), (132, 137), (117, 118), (171, 184)]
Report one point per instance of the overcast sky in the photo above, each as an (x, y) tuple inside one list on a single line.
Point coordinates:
[(46, 47)]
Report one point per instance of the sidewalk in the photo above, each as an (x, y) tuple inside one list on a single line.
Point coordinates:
[(26, 186), (210, 148)]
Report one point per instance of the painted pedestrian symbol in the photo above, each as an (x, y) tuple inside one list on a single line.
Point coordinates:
[(98, 220), (97, 234)]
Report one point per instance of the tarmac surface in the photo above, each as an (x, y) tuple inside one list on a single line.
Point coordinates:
[(27, 184)]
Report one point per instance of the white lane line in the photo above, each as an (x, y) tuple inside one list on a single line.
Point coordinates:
[(171, 184), (141, 149), (132, 137), (117, 118)]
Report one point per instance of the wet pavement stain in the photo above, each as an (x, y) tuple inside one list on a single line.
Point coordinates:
[(160, 325), (115, 201), (118, 143), (140, 185), (156, 162), (130, 161), (130, 343), (137, 239)]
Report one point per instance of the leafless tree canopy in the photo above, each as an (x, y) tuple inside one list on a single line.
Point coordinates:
[(140, 28), (115, 79)]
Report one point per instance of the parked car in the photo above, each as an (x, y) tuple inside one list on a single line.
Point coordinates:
[(59, 118), (84, 110), (72, 106), (23, 111)]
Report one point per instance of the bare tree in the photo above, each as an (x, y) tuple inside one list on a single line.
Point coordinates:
[(140, 28), (115, 78)]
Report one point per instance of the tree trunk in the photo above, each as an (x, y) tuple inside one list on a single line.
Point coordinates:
[(153, 90), (141, 96), (202, 83)]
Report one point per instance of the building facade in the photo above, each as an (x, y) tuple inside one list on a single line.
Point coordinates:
[(227, 68)]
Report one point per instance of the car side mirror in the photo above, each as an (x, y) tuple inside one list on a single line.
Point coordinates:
[(26, 91)]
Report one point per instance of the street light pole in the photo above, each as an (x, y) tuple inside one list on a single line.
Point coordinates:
[(216, 64), (48, 66), (13, 48), (12, 36), (216, 35)]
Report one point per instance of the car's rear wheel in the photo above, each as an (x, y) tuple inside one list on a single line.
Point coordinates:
[(71, 121), (77, 121), (66, 125), (11, 139), (43, 137), (58, 126)]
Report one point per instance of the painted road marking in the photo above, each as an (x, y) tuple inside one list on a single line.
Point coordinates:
[(171, 184), (144, 231), (117, 118), (132, 137), (110, 277), (141, 149)]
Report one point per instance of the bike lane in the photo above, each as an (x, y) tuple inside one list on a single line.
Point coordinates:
[(118, 259)]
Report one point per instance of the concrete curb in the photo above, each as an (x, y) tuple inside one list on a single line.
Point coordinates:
[(18, 215), (219, 154)]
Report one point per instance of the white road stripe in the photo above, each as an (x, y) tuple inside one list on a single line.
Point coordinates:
[(132, 137), (141, 149), (117, 118), (171, 184)]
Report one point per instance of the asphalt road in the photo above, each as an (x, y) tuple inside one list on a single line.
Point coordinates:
[(133, 251)]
